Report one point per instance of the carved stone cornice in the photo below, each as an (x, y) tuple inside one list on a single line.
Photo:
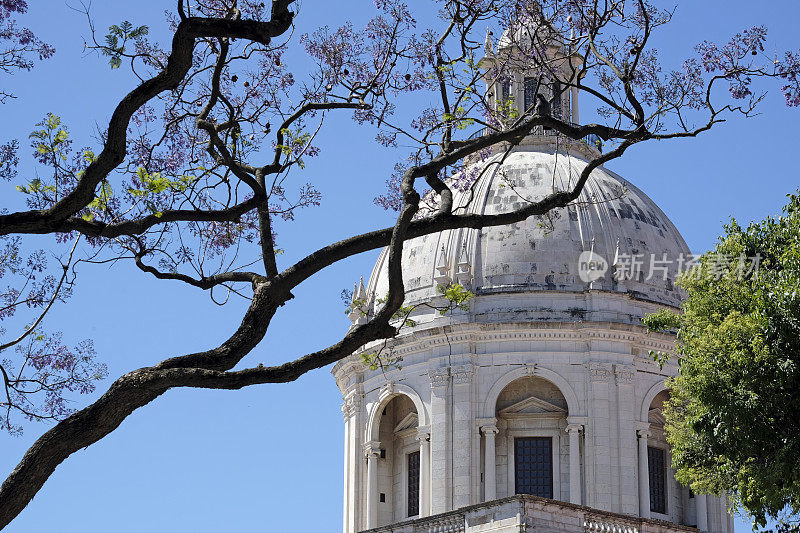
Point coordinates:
[(434, 336)]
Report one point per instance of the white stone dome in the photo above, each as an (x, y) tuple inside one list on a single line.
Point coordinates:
[(522, 267), (522, 33)]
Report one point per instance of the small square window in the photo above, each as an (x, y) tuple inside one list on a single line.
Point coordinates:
[(383, 453), (383, 497)]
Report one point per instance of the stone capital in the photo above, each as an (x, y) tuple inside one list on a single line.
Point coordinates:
[(424, 433), (624, 373), (489, 429), (439, 376), (372, 449), (462, 374), (599, 371), (643, 433), (574, 427), (351, 405)]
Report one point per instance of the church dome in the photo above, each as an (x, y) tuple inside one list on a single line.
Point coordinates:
[(523, 33), (523, 267)]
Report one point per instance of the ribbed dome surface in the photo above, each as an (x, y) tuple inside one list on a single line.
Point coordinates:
[(613, 218)]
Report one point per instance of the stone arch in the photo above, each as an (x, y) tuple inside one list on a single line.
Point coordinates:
[(655, 390), (387, 393), (544, 373)]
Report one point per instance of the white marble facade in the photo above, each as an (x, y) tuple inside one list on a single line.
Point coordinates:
[(476, 386), (539, 353)]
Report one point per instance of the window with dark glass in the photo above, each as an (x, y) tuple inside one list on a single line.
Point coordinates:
[(657, 467), (557, 100), (413, 484), (505, 90), (533, 461), (530, 92)]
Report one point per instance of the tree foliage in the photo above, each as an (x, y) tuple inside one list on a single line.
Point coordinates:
[(733, 419)]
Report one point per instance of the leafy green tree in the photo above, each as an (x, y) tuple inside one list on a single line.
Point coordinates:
[(733, 419)]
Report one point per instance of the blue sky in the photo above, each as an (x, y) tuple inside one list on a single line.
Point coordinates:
[(270, 458)]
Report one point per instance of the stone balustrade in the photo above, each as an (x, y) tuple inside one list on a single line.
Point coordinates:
[(524, 513)]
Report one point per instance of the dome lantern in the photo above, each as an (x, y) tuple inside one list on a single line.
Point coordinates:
[(532, 69)]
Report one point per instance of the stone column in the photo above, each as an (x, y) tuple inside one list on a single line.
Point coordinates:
[(372, 451), (574, 431), (644, 475), (701, 506), (424, 471), (490, 462)]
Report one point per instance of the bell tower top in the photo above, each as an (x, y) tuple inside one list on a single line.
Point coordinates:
[(531, 69)]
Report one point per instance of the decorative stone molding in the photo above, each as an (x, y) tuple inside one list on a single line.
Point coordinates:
[(462, 374), (442, 276), (439, 376), (490, 428), (372, 448), (643, 433), (623, 373), (599, 371), (386, 390), (601, 525), (578, 420), (573, 427), (424, 434), (425, 339), (463, 268), (351, 404)]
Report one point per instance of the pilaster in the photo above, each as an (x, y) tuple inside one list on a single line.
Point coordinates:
[(440, 440), (599, 492), (626, 435), (351, 411), (462, 435)]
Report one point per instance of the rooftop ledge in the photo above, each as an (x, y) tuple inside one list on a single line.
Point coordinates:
[(524, 513)]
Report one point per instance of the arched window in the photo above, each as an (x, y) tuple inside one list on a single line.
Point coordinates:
[(531, 417)]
